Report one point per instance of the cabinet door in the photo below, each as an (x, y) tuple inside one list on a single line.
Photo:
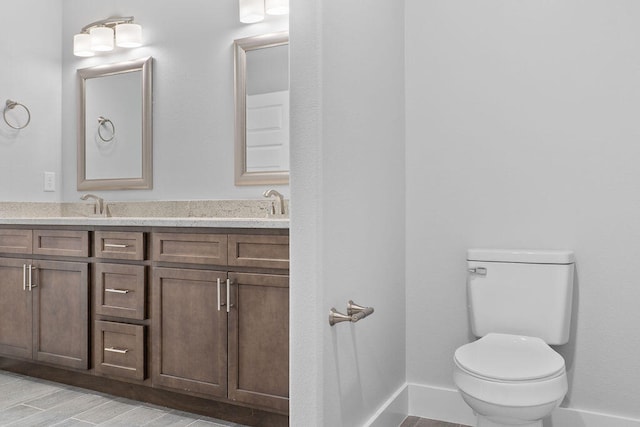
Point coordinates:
[(259, 340), (15, 309), (61, 313), (189, 332)]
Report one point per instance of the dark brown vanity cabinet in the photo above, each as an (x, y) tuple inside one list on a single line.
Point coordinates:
[(44, 304), (200, 312), (219, 332), (120, 305), (189, 331), (258, 340)]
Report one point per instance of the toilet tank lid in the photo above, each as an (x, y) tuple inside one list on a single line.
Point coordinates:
[(531, 256)]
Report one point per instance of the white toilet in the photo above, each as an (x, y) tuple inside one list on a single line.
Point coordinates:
[(519, 301)]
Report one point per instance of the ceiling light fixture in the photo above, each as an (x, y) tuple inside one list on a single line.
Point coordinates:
[(99, 36)]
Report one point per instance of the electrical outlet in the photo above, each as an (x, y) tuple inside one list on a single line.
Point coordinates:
[(49, 181)]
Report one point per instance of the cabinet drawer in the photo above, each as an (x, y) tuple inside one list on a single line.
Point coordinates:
[(190, 248), (259, 251), (61, 242), (119, 245), (120, 290), (119, 349), (16, 241)]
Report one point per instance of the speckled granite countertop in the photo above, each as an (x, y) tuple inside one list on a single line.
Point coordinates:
[(197, 213), (153, 222)]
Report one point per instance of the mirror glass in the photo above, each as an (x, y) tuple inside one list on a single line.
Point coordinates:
[(262, 109), (114, 126)]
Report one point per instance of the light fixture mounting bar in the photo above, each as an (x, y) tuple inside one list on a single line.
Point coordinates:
[(109, 22)]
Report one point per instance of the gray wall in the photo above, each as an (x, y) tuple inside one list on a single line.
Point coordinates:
[(523, 131), (30, 74), (348, 222), (193, 118)]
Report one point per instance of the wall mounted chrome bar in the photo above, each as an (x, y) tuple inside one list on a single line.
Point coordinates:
[(355, 313)]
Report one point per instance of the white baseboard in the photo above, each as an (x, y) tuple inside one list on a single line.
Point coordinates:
[(445, 404), (393, 411), (438, 403)]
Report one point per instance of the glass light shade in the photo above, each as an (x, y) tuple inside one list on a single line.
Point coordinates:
[(277, 7), (101, 39), (82, 45), (128, 35), (251, 11)]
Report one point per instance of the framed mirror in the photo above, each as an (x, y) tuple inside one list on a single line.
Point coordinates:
[(262, 109), (115, 126)]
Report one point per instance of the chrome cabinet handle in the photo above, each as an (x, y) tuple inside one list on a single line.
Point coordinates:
[(218, 285), (116, 350), (117, 291), (115, 245), (30, 274), (228, 295), (24, 277)]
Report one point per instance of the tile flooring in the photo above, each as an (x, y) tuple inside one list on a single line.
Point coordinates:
[(421, 422), (32, 402)]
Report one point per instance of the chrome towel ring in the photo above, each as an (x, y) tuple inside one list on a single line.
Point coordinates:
[(10, 105), (103, 123)]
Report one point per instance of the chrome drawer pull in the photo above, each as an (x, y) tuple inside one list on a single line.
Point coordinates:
[(116, 350), (117, 291), (115, 245)]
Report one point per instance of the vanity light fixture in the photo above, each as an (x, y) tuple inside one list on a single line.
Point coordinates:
[(276, 7), (99, 36), (252, 11)]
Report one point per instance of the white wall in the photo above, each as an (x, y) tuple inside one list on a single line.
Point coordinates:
[(30, 74), (193, 118), (348, 225), (523, 130)]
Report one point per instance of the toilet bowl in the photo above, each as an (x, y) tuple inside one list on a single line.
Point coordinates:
[(510, 380)]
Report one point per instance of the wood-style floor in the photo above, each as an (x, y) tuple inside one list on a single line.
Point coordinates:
[(32, 402)]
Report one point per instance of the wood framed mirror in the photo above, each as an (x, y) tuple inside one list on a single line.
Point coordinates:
[(262, 109), (115, 126)]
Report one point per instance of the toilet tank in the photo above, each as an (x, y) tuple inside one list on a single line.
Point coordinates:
[(521, 292)]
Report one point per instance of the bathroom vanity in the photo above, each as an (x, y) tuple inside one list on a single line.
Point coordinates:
[(187, 313)]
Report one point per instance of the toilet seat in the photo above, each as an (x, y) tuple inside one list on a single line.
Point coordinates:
[(510, 371), (509, 358)]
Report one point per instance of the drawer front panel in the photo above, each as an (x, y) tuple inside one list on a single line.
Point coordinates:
[(120, 290), (259, 251), (190, 248), (61, 242), (16, 241), (119, 245), (119, 349)]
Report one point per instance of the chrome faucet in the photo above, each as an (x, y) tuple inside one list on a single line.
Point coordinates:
[(280, 198), (98, 209)]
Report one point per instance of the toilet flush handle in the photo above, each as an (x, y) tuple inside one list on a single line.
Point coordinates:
[(478, 270)]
